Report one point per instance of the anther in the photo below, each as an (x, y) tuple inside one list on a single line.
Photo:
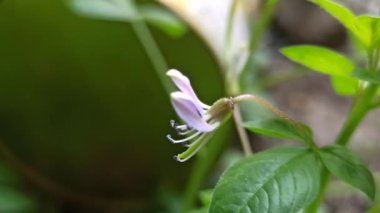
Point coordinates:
[(173, 123), (169, 137), (181, 128), (176, 158)]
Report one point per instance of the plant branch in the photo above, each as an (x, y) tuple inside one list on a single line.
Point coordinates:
[(276, 111), (358, 112), (241, 131), (264, 103)]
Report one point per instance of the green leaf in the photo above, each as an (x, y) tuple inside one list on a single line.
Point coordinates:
[(365, 75), (347, 19), (346, 86), (341, 13), (319, 59), (345, 165), (371, 25), (281, 180), (280, 128), (114, 10), (163, 19)]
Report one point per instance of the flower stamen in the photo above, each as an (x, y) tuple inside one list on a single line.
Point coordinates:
[(180, 129), (184, 139), (193, 148), (186, 132)]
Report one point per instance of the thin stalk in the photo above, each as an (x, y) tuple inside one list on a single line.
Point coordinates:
[(277, 112), (241, 131), (153, 52), (264, 103)]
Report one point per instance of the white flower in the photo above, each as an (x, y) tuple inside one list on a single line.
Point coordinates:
[(200, 120)]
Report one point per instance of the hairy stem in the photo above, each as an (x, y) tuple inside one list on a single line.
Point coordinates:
[(264, 103)]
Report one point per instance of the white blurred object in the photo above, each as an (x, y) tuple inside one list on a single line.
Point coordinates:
[(209, 18)]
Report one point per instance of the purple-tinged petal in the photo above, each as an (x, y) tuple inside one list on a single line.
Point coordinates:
[(187, 110), (184, 85)]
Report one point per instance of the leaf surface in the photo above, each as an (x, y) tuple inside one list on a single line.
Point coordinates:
[(319, 59), (280, 128), (344, 164), (281, 180)]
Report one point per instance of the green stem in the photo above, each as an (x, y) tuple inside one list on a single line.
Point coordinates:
[(325, 177), (358, 112), (153, 52), (241, 132)]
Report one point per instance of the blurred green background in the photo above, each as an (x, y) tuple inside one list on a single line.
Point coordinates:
[(81, 106)]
